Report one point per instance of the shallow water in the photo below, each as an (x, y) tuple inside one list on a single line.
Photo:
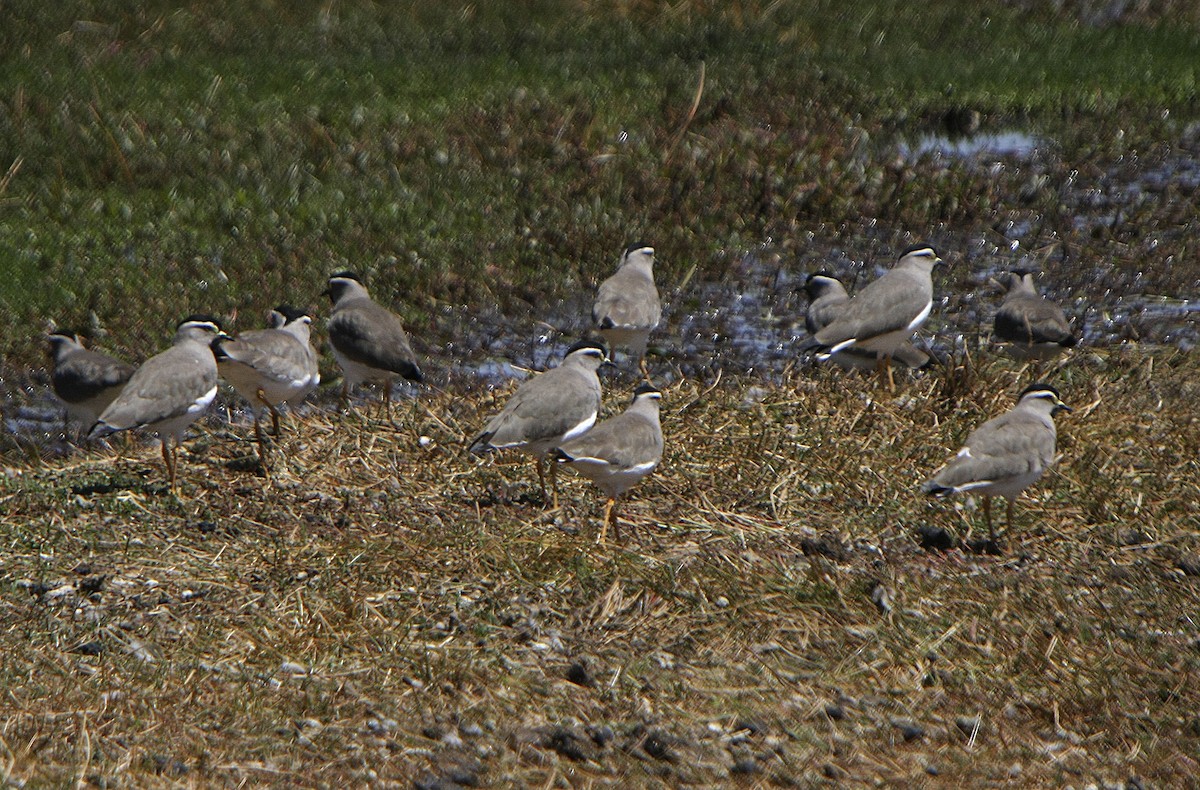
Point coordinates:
[(750, 321)]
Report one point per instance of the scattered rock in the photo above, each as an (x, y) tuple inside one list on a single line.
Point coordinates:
[(1132, 536), (601, 734), (935, 538), (93, 647), (1189, 564), (881, 597), (167, 766), (744, 767), (910, 731), (571, 744), (578, 674), (827, 544), (985, 546), (970, 726), (833, 772), (835, 712)]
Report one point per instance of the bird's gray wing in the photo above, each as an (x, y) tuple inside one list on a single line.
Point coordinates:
[(164, 387), (1033, 320), (543, 408), (374, 336), (626, 300), (85, 374), (824, 311), (1010, 445), (276, 355), (623, 442), (886, 305)]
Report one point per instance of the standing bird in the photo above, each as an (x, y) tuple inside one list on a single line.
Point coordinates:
[(619, 452), (1034, 327), (627, 307), (169, 391), (270, 366), (369, 341), (549, 409), (1006, 454), (827, 299), (885, 314), (86, 381)]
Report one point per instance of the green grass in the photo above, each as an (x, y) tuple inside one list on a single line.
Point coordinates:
[(223, 157)]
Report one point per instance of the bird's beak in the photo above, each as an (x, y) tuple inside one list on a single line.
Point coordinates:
[(1060, 406)]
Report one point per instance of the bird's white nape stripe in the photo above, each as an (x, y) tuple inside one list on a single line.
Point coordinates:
[(639, 468), (581, 428), (965, 453), (201, 324)]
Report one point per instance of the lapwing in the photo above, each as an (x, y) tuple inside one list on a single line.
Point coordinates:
[(86, 381), (1031, 326), (272, 366), (827, 300), (885, 314), (627, 307), (549, 409), (618, 453), (169, 391), (368, 340), (1006, 454)]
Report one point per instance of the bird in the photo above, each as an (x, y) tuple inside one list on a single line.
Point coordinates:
[(86, 381), (1032, 326), (169, 391), (885, 313), (270, 366), (627, 306), (827, 300), (1006, 454), (368, 340), (549, 409), (619, 452)]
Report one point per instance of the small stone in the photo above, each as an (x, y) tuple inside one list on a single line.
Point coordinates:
[(744, 767), (578, 674), (602, 734), (831, 771), (911, 732), (1131, 536), (1189, 564), (932, 769), (91, 648), (933, 538), (969, 725), (722, 602), (835, 712)]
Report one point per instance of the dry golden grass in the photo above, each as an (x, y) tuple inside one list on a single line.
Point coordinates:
[(386, 611)]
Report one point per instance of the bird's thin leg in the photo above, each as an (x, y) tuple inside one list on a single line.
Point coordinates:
[(609, 520), (554, 483), (887, 363), (258, 436), (541, 470), (345, 395), (1008, 517), (387, 401), (987, 515), (644, 368), (170, 454), (262, 396)]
